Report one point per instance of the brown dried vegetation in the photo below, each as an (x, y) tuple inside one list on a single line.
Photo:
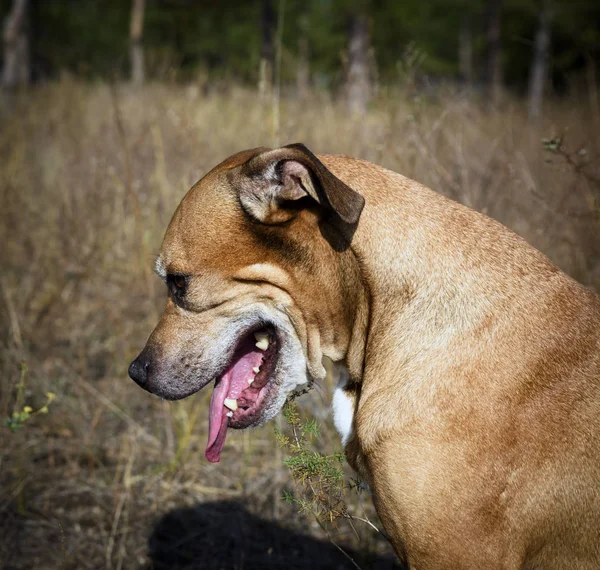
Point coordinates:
[(112, 477)]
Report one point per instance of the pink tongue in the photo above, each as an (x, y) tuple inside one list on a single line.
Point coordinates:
[(230, 385)]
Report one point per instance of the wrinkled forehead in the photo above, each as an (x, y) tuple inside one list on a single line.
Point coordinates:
[(209, 229)]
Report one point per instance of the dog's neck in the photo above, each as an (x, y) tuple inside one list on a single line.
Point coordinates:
[(434, 267), (436, 271)]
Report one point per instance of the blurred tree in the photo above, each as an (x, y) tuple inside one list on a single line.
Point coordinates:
[(358, 82), (16, 69), (539, 64), (267, 51), (330, 43), (494, 51), (314, 37), (136, 29), (303, 65), (576, 37), (431, 29), (85, 37), (465, 49)]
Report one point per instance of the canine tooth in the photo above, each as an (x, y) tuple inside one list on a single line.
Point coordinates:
[(262, 340), (256, 370), (231, 404), (229, 414), (250, 380)]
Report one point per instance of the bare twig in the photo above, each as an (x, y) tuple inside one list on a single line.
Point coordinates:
[(13, 318), (139, 430)]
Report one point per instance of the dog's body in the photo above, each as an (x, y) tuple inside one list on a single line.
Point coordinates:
[(470, 392)]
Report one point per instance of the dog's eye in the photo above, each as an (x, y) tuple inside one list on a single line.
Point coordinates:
[(177, 285)]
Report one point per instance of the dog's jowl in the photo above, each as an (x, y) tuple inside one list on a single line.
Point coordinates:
[(469, 397)]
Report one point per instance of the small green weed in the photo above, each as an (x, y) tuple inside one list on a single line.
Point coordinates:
[(319, 477), (23, 413)]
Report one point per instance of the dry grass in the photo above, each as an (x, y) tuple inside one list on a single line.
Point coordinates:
[(115, 478)]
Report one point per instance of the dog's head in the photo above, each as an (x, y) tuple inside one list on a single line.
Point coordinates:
[(261, 282)]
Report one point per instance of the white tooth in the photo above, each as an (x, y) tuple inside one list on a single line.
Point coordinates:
[(256, 370), (250, 380), (229, 414), (231, 404), (262, 340)]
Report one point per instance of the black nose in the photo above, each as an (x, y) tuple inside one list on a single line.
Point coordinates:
[(138, 369)]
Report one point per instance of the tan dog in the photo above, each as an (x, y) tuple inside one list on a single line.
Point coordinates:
[(470, 391)]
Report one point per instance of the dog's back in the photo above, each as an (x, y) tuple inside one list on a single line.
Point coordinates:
[(483, 441)]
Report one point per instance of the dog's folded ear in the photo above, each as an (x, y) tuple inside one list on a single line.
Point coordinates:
[(276, 184)]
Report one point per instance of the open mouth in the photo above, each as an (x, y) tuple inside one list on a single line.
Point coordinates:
[(238, 394)]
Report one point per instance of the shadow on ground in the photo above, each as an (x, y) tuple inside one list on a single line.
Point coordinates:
[(224, 535)]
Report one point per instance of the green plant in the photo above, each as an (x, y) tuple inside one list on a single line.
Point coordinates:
[(23, 413), (319, 477), (577, 162)]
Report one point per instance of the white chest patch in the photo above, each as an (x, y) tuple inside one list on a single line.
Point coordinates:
[(343, 407)]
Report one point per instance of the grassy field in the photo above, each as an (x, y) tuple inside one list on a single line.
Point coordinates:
[(112, 477)]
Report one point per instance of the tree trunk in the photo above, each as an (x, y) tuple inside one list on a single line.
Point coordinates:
[(465, 51), (303, 67), (136, 49), (539, 65), (267, 52), (592, 84), (16, 47), (358, 86), (494, 46)]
